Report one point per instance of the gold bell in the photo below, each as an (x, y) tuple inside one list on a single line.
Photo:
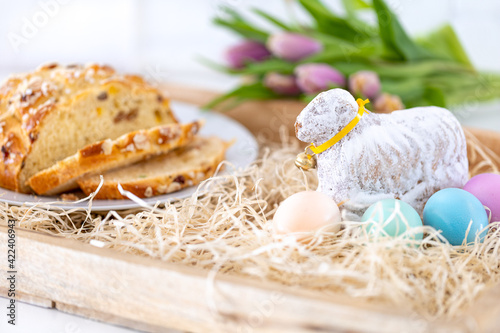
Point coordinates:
[(305, 161)]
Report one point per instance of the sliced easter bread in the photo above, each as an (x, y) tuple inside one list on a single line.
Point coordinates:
[(51, 113), (183, 167), (109, 154)]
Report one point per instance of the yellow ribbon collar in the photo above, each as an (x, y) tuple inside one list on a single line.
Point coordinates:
[(324, 146)]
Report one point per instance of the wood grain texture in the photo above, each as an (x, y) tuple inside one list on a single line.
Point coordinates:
[(30, 299), (152, 295), (263, 118), (109, 318)]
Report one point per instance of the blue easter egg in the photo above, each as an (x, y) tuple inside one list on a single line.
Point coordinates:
[(452, 210), (392, 217)]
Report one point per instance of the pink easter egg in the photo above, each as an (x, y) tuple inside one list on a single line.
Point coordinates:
[(305, 212), (486, 187)]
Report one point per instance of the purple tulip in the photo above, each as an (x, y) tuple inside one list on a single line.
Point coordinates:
[(315, 78), (281, 83), (293, 47), (247, 51), (365, 84), (386, 103)]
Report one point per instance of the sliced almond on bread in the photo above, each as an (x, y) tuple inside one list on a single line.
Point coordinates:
[(183, 167), (110, 154)]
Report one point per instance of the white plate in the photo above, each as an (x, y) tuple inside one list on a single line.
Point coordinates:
[(241, 154)]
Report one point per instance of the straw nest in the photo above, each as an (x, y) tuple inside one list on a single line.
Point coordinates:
[(228, 230)]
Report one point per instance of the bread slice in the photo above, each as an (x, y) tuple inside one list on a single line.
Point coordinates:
[(167, 173), (110, 154), (52, 112)]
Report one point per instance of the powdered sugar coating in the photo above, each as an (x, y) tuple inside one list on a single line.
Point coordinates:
[(407, 155)]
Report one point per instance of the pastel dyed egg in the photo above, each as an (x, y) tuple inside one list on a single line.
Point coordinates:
[(391, 217), (304, 212), (452, 210), (486, 187)]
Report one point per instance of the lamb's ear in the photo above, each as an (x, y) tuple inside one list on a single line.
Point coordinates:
[(305, 125), (339, 99), (324, 114)]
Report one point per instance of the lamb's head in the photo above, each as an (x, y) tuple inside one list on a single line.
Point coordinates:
[(325, 116)]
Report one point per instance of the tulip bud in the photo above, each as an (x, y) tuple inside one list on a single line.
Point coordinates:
[(365, 84), (386, 103), (281, 84), (314, 78), (293, 47), (247, 51)]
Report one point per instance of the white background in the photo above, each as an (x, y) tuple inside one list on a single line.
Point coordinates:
[(162, 39), (166, 36)]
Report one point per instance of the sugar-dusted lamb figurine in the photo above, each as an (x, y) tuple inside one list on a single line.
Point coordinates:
[(407, 155)]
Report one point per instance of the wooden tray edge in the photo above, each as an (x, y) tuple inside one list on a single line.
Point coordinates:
[(52, 270)]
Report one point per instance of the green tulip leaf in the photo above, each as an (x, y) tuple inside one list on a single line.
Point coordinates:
[(434, 96), (216, 66), (352, 6), (239, 25), (240, 94), (329, 23), (272, 65), (395, 39), (398, 70), (272, 19), (444, 43)]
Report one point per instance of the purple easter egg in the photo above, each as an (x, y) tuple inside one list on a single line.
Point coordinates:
[(486, 187)]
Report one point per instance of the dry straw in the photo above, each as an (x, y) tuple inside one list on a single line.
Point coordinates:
[(228, 230)]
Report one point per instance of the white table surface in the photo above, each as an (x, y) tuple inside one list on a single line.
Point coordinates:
[(35, 319)]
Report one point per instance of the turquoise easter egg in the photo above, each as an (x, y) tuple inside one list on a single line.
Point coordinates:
[(452, 210), (391, 217)]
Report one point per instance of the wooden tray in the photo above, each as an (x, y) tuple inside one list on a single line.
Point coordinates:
[(152, 295)]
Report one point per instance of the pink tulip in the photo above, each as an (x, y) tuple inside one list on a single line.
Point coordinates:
[(365, 84), (315, 78), (293, 47), (247, 51), (281, 83), (386, 103)]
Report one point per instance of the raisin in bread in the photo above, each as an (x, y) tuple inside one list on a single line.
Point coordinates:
[(51, 113), (167, 173), (110, 154)]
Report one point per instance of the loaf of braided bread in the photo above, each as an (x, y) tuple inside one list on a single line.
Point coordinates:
[(51, 113)]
